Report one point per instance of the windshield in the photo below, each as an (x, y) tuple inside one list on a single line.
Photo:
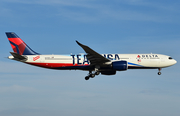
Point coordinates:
[(170, 58)]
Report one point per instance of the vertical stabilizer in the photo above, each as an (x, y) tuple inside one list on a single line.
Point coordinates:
[(18, 45)]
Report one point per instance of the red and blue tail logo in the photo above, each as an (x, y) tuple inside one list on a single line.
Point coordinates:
[(18, 45)]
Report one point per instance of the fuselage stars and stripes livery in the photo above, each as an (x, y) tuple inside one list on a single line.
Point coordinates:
[(95, 63)]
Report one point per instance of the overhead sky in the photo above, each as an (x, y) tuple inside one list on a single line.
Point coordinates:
[(107, 26)]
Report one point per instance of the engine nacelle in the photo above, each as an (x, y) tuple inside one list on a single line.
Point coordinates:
[(109, 72), (120, 65)]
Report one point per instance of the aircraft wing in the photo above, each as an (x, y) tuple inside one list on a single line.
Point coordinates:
[(94, 57)]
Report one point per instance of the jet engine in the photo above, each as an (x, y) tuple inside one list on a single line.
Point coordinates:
[(119, 65)]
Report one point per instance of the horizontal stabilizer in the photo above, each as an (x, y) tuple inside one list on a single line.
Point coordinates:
[(17, 56)]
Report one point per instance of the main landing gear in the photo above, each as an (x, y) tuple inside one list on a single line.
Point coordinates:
[(92, 75), (159, 73)]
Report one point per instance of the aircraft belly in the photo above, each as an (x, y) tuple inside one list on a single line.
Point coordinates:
[(58, 65)]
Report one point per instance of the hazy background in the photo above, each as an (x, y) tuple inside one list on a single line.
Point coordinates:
[(107, 26)]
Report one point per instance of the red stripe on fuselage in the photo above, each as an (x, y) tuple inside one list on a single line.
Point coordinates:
[(54, 65)]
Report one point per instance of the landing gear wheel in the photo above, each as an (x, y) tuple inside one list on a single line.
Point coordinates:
[(159, 73), (92, 75), (87, 78), (97, 73)]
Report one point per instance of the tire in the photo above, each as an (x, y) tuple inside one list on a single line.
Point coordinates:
[(87, 78), (97, 73), (159, 73), (92, 75)]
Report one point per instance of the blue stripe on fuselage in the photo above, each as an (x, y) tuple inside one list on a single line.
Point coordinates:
[(134, 64)]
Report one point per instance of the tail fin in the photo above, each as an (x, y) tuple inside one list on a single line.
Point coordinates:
[(18, 45)]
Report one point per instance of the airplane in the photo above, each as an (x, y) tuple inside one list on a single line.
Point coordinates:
[(95, 63)]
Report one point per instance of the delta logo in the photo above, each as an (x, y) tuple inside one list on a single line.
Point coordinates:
[(150, 56), (35, 58), (139, 58)]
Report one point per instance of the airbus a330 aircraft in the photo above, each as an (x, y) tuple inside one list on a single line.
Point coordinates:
[(95, 63)]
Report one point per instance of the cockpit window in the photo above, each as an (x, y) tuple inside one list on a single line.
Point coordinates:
[(170, 58)]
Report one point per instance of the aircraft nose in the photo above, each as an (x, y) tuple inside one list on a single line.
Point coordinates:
[(175, 61)]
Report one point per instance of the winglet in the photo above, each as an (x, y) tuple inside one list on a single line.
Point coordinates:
[(86, 48), (78, 43)]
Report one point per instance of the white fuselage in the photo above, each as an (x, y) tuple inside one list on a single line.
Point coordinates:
[(80, 61)]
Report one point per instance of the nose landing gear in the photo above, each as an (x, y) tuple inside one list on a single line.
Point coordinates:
[(159, 73)]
